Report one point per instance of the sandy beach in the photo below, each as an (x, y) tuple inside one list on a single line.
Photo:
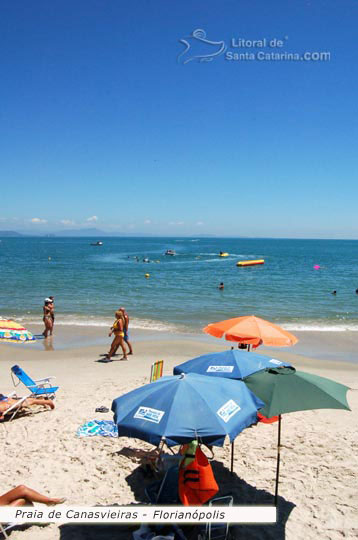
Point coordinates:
[(319, 463)]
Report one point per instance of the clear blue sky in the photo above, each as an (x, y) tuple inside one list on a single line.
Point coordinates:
[(101, 124)]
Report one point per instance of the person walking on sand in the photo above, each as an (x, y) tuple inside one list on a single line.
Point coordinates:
[(126, 333), (47, 319), (118, 330)]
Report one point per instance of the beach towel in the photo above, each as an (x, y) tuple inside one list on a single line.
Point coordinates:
[(105, 428)]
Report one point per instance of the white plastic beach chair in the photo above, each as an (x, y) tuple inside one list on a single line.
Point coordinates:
[(6, 527), (217, 531), (14, 409)]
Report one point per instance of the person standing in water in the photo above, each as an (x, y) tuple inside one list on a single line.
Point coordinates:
[(52, 298), (47, 319)]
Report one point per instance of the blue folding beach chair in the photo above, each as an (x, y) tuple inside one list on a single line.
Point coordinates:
[(41, 387)]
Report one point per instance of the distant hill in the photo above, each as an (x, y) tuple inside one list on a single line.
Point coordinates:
[(10, 233)]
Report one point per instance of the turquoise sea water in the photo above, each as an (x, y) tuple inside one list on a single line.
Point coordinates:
[(89, 282)]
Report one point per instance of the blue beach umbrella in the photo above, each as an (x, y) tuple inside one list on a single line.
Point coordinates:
[(231, 364), (186, 407)]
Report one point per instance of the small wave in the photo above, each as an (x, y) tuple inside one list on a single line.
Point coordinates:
[(81, 320), (324, 327)]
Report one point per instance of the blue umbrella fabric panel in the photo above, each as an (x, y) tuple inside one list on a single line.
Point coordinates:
[(231, 364), (186, 407)]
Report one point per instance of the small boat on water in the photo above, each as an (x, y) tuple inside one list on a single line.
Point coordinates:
[(96, 243), (170, 252)]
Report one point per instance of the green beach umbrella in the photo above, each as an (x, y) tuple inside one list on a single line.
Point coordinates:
[(285, 390)]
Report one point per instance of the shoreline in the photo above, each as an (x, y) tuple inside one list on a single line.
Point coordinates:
[(324, 346)]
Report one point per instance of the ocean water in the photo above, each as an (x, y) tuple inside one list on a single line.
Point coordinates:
[(89, 283)]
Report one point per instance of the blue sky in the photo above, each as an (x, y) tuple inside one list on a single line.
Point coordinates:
[(101, 124)]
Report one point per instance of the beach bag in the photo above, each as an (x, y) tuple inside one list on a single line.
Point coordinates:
[(197, 483)]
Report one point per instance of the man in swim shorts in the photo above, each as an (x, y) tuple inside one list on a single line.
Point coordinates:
[(126, 333), (52, 298)]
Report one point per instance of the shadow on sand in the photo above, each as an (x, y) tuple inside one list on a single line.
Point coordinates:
[(243, 493)]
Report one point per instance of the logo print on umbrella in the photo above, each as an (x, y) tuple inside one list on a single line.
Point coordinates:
[(228, 410), (220, 369), (151, 415)]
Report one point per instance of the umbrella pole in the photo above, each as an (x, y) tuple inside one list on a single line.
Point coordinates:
[(278, 458), (232, 457)]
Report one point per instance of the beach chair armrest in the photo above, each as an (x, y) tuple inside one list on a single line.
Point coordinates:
[(46, 379), (16, 406)]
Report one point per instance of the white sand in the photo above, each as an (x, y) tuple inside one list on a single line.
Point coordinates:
[(319, 463)]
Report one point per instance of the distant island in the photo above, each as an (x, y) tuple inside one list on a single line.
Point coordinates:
[(10, 233)]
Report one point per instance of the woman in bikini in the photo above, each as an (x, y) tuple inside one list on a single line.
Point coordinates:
[(7, 402), (47, 318), (118, 330)]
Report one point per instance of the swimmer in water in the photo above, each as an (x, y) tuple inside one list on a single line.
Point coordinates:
[(334, 292), (221, 286)]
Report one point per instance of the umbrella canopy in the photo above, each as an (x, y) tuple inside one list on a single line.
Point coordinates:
[(14, 332), (251, 330), (231, 364), (286, 390), (186, 407)]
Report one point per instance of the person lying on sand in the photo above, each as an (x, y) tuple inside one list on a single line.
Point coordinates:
[(7, 402), (25, 496)]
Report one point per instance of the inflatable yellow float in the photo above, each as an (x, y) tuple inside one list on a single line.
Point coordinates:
[(250, 263)]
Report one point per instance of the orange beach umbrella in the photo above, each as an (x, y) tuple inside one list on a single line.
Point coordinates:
[(251, 330)]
